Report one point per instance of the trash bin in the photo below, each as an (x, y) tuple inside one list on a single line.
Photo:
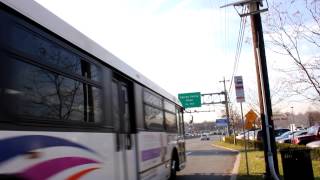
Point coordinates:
[(296, 163)]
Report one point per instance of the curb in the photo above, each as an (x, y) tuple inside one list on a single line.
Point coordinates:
[(236, 164)]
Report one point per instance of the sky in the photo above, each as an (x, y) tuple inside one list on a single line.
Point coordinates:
[(181, 45)]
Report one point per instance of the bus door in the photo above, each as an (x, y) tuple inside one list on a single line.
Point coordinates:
[(181, 140), (124, 124)]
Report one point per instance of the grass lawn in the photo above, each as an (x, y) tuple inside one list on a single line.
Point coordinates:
[(256, 163)]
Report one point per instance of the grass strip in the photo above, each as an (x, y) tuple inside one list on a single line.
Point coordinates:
[(257, 165)]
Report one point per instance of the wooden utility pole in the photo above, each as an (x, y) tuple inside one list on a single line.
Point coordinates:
[(263, 86), (255, 21), (272, 170)]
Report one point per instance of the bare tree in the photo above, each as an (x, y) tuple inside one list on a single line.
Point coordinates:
[(313, 117), (293, 29), (278, 94)]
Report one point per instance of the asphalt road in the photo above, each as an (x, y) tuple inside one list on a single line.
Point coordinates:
[(206, 162)]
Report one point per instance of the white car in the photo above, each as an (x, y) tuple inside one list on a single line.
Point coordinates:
[(313, 144), (241, 135), (253, 134), (204, 137)]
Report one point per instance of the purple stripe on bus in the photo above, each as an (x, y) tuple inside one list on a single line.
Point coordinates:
[(46, 169), (150, 153)]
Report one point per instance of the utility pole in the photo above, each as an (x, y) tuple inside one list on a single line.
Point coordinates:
[(264, 92), (261, 67), (226, 102), (272, 170)]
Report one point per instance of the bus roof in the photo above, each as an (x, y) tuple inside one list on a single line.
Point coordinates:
[(47, 19)]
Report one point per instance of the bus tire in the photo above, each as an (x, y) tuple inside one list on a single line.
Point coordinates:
[(174, 166)]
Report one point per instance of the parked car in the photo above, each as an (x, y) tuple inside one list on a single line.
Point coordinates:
[(259, 135), (280, 131), (283, 137), (313, 134), (241, 135), (253, 134), (297, 133), (287, 137), (313, 144), (277, 132), (204, 137)]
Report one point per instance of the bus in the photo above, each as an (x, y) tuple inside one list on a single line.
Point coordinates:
[(69, 109)]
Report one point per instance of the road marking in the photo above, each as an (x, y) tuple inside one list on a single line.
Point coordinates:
[(224, 148), (235, 169)]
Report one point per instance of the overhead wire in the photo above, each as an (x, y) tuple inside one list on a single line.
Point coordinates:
[(238, 49)]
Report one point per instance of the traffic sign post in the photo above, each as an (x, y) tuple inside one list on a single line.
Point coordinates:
[(245, 141), (190, 100), (238, 83)]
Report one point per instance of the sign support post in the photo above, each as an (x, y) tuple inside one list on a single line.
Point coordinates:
[(238, 83), (245, 140)]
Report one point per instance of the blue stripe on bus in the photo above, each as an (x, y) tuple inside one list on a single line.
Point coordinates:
[(19, 145)]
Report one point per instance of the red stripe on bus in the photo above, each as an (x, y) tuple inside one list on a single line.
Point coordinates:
[(81, 173)]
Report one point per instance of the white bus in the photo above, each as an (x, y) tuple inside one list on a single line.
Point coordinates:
[(71, 110)]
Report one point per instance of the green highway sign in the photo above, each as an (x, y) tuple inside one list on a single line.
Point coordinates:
[(190, 100)]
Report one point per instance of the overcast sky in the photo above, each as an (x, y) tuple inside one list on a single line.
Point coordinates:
[(181, 45)]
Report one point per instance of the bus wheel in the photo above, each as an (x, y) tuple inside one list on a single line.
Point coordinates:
[(173, 168)]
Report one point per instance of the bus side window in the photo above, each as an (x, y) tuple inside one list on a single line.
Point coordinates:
[(170, 116), (43, 95), (171, 122), (46, 50), (153, 112)]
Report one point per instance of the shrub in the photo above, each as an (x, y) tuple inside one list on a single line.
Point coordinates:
[(315, 154), (250, 144), (258, 145)]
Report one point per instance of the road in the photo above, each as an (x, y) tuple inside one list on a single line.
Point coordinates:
[(205, 161)]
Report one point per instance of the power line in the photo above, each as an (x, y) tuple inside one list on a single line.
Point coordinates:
[(239, 48)]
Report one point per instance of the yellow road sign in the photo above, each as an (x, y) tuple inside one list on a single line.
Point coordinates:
[(248, 125), (251, 116)]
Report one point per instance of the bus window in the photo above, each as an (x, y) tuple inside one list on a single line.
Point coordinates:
[(153, 118), (39, 93), (152, 99), (170, 117), (121, 107), (30, 43), (171, 122), (168, 106), (153, 113)]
